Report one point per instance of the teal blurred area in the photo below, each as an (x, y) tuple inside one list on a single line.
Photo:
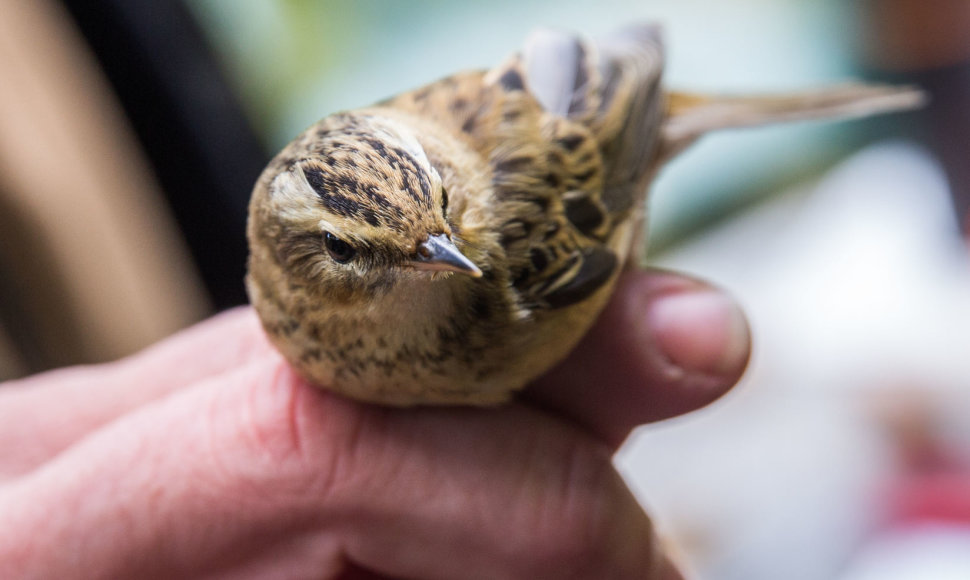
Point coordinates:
[(298, 61)]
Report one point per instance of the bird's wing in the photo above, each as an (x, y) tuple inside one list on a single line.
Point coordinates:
[(610, 86), (577, 130)]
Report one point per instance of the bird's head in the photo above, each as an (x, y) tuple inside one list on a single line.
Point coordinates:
[(356, 207)]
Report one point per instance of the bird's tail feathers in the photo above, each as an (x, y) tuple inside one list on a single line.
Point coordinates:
[(691, 116)]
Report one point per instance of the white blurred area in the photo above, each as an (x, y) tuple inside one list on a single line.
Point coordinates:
[(934, 552), (858, 293)]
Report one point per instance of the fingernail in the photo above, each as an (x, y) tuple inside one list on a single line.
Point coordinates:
[(700, 331)]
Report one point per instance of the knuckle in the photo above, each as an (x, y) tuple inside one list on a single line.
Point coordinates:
[(577, 529), (268, 422), (261, 438), (305, 444)]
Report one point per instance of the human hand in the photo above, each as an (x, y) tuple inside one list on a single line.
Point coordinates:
[(206, 456)]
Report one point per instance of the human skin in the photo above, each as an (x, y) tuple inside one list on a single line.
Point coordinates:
[(206, 456)]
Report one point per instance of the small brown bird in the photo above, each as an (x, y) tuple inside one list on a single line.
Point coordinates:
[(448, 245)]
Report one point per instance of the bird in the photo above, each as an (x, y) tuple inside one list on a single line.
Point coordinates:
[(448, 245)]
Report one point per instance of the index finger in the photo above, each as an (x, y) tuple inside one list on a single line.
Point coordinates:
[(43, 414)]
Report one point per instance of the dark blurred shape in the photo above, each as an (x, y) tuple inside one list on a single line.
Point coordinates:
[(948, 129), (92, 265), (927, 43), (916, 34), (196, 136)]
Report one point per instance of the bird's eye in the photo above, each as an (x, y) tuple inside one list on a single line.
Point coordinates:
[(338, 249), (444, 201)]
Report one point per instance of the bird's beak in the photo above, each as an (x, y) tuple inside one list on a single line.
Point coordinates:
[(438, 253)]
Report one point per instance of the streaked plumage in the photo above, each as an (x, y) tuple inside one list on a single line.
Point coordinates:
[(452, 243)]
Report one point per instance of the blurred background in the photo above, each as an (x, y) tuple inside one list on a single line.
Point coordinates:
[(131, 132)]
